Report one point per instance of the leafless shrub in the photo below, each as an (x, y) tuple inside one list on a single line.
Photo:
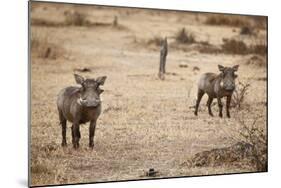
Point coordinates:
[(255, 136), (182, 36), (236, 21), (239, 94)]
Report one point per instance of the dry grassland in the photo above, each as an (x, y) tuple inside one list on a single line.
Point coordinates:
[(145, 122)]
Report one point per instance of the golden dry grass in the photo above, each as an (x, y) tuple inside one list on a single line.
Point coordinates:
[(145, 123)]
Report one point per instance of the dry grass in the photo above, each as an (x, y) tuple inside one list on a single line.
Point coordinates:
[(145, 123), (227, 20), (232, 46), (156, 40), (43, 47), (256, 60)]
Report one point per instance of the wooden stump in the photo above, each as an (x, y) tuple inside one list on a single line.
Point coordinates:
[(163, 55)]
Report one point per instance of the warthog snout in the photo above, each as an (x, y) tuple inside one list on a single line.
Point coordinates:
[(228, 85), (89, 103)]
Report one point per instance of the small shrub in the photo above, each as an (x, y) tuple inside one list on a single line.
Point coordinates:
[(76, 19), (245, 30), (239, 94), (258, 49), (230, 20), (234, 47), (184, 37)]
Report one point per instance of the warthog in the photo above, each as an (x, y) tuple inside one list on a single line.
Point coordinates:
[(217, 86), (80, 105)]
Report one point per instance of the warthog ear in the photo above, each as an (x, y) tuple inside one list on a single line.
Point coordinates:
[(235, 67), (100, 80), (101, 91), (221, 68), (79, 79)]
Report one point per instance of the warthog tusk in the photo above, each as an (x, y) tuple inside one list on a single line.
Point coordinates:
[(221, 83), (79, 101)]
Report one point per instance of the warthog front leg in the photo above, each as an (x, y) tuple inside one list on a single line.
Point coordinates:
[(92, 129), (209, 102), (76, 135), (228, 100), (63, 127), (220, 106), (199, 97)]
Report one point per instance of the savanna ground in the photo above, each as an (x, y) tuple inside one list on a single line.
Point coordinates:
[(145, 122)]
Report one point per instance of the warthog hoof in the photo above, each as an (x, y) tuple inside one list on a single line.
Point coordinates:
[(91, 145), (63, 144), (76, 145)]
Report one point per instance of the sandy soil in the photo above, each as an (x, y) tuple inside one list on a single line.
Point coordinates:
[(146, 122)]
